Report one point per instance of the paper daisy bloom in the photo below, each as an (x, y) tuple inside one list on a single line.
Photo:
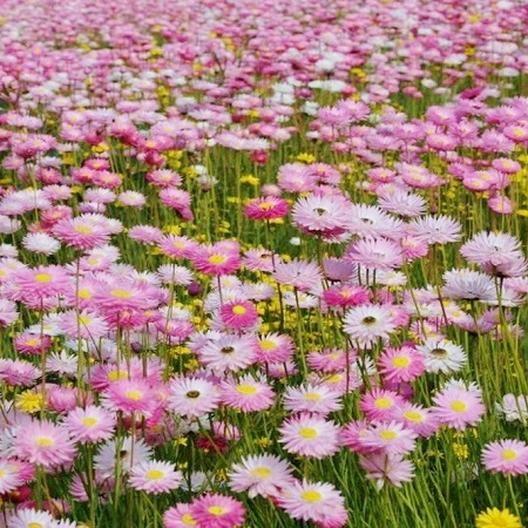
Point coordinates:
[(218, 511), (154, 477), (318, 502), (367, 323), (89, 425), (509, 457), (309, 436), (457, 406), (192, 397), (44, 443), (263, 475)]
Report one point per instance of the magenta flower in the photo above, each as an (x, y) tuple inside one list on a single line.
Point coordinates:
[(218, 511), (509, 457)]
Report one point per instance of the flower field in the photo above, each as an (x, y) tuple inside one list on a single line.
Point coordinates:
[(263, 264)]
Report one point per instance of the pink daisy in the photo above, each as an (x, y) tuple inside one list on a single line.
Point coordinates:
[(263, 475), (368, 323), (154, 477), (327, 216), (228, 353), (247, 394), (45, 444), (318, 502), (318, 399), (218, 511), (509, 457), (268, 208), (177, 247), (345, 296), (179, 516), (380, 404), (391, 468), (310, 436), (34, 284), (238, 315), (179, 200), (457, 406), (32, 344), (83, 232), (330, 360), (274, 348), (89, 425), (401, 364), (302, 275), (192, 397), (417, 418), (130, 396), (83, 324), (390, 437), (218, 259)]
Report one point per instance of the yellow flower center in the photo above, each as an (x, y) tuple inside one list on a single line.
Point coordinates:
[(216, 510), (387, 434), (265, 206), (154, 474), (89, 421), (84, 293), (32, 341), (85, 320), (35, 525), (311, 496), (261, 472), (383, 403), (188, 520), (116, 375), (413, 416), (334, 378), (312, 396), (246, 388), (401, 361), (459, 406), (83, 229), (268, 344), (43, 277), (44, 441), (120, 293), (238, 309), (509, 454), (308, 433), (217, 259), (134, 395)]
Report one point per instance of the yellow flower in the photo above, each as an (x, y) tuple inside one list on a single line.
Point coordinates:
[(99, 149), (461, 450), (250, 180), (30, 402), (68, 158), (358, 72), (172, 229), (192, 364), (495, 518), (306, 157), (264, 442), (155, 53)]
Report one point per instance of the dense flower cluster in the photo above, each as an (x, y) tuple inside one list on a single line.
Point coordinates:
[(263, 263)]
